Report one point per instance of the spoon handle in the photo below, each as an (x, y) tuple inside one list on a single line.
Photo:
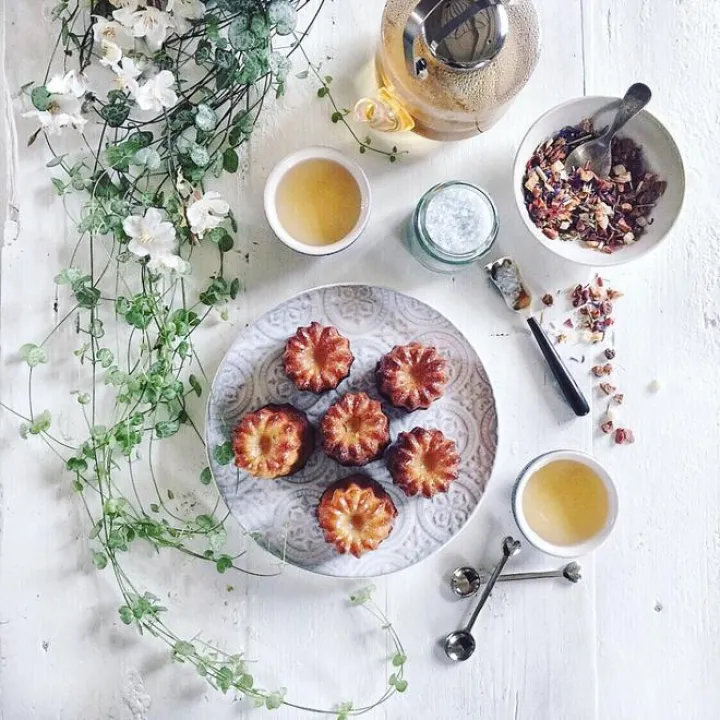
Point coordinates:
[(530, 576), (510, 547), (636, 98)]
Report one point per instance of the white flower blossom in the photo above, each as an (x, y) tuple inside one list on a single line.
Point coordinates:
[(167, 263), (110, 53), (153, 237), (124, 13), (151, 24), (71, 83), (111, 31), (184, 10), (206, 212), (157, 93), (126, 74), (64, 105)]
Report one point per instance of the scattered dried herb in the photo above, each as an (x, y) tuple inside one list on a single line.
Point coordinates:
[(618, 398), (606, 214), (594, 306), (607, 388), (623, 436), (601, 370), (609, 353), (548, 299), (607, 427)]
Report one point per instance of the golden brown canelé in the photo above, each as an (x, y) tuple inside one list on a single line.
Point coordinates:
[(412, 376), (355, 430), (356, 514), (317, 358), (274, 441), (423, 462)]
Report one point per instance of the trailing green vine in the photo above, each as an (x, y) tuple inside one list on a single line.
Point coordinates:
[(177, 87)]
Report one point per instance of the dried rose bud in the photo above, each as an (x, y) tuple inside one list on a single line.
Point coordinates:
[(609, 353), (618, 398), (568, 323), (607, 427), (548, 299), (623, 436), (599, 370), (607, 388)]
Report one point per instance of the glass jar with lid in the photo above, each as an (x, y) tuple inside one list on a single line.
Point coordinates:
[(454, 224)]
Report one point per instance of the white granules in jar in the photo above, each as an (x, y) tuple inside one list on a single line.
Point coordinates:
[(459, 220)]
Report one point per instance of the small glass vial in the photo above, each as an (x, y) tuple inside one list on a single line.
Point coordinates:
[(454, 224)]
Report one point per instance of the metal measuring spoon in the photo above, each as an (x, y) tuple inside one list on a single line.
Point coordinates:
[(460, 645), (466, 581), (596, 154)]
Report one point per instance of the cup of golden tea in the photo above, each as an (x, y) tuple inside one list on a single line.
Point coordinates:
[(565, 503), (317, 201)]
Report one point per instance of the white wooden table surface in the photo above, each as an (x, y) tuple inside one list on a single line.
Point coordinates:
[(637, 639)]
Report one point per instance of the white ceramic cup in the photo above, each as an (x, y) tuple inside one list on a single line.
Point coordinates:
[(316, 153), (564, 551)]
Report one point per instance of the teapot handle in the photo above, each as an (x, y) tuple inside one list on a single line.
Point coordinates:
[(416, 22)]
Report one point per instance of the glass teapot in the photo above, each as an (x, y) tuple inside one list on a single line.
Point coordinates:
[(448, 69)]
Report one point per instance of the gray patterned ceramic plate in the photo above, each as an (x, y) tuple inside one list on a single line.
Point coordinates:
[(280, 514)]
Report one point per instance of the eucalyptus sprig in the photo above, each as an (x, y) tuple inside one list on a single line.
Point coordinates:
[(187, 81)]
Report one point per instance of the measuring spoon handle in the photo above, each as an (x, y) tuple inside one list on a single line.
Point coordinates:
[(531, 576), (510, 548)]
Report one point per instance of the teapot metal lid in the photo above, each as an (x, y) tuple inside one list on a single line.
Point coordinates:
[(462, 34)]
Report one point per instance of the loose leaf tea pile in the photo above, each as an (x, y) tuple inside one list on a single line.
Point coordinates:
[(604, 214)]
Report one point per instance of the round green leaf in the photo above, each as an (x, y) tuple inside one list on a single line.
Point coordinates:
[(240, 35), (226, 243), (224, 563), (205, 118), (230, 160), (147, 157), (40, 98), (200, 156), (33, 354), (283, 15), (279, 65)]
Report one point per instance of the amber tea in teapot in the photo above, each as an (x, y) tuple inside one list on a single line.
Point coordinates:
[(448, 69)]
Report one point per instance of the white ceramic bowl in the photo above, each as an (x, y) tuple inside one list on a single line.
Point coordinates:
[(661, 154), (312, 153), (564, 551)]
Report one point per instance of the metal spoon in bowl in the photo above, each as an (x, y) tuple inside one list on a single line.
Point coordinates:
[(460, 645), (466, 581), (596, 154)]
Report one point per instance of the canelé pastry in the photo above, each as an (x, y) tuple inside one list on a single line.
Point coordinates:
[(355, 430), (412, 376), (274, 441), (423, 462), (356, 514), (317, 358)]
